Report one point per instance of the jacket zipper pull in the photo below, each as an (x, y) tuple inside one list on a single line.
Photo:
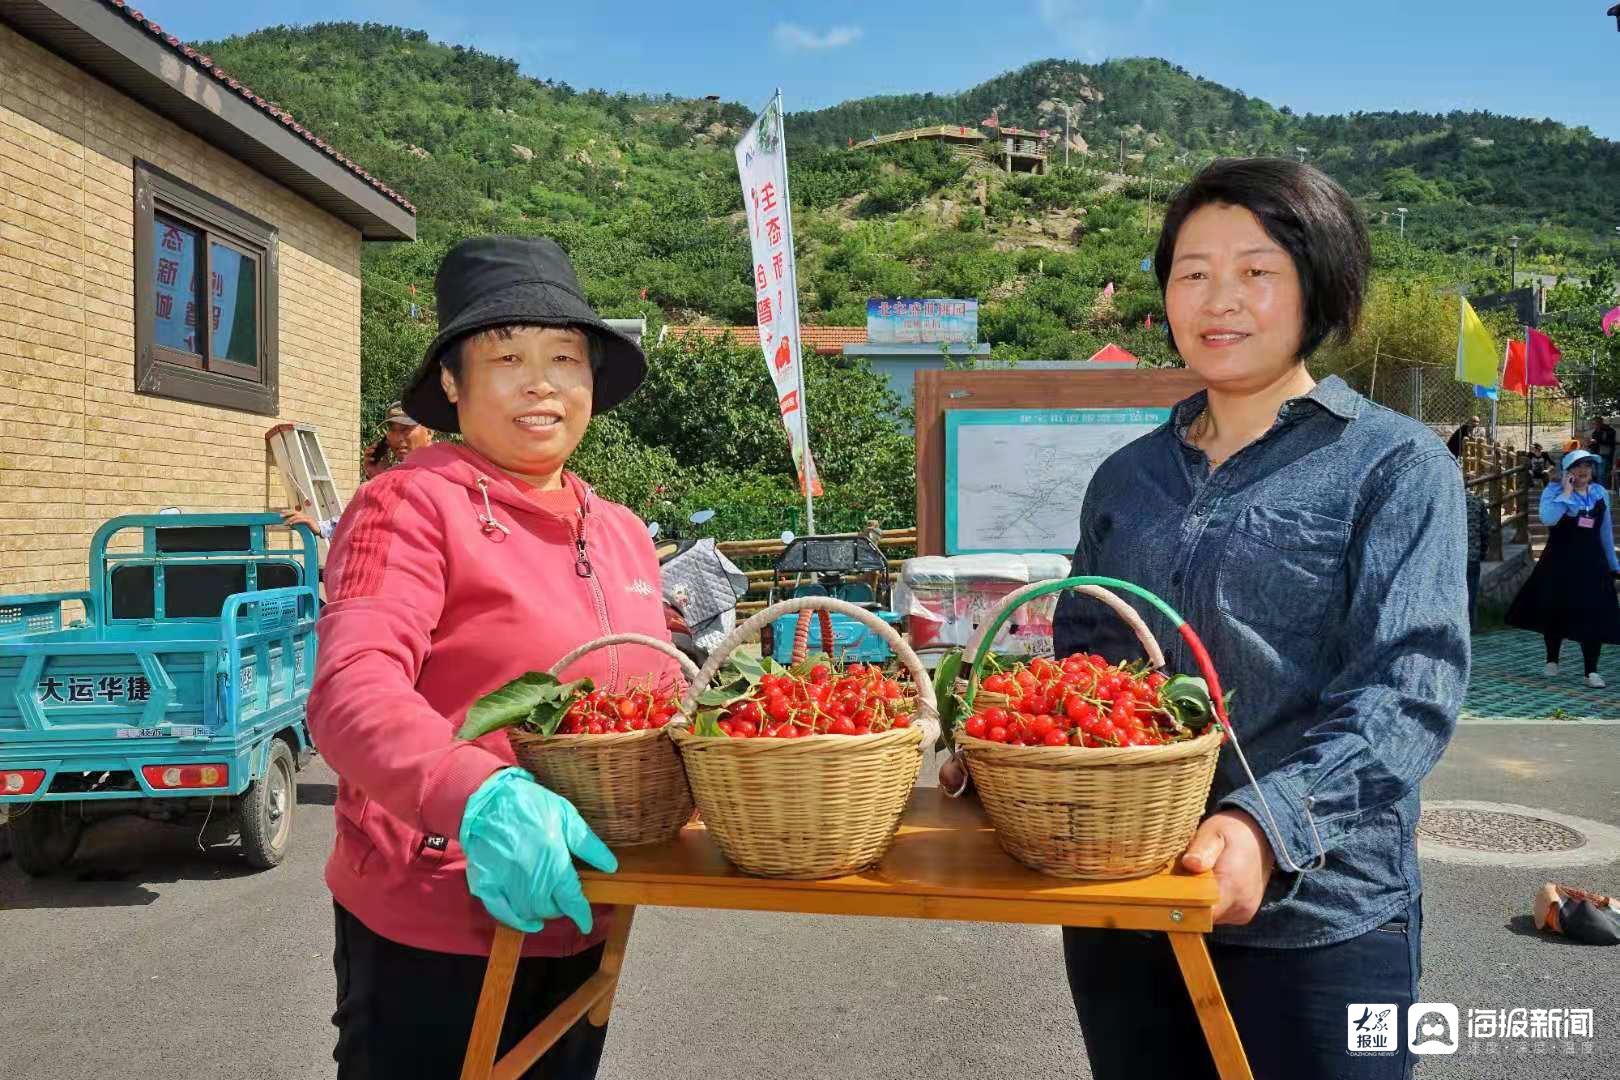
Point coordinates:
[(582, 561)]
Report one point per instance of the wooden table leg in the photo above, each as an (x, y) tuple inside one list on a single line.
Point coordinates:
[(613, 960), (594, 998), (1192, 953), (492, 1001)]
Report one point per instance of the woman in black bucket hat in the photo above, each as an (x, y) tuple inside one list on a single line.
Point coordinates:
[(500, 281), (457, 571)]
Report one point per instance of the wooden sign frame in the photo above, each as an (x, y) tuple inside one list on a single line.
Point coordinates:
[(937, 392)]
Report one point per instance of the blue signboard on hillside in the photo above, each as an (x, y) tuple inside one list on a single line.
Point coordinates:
[(922, 322)]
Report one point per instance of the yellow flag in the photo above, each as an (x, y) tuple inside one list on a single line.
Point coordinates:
[(1476, 352)]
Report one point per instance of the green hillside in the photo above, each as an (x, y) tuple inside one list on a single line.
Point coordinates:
[(642, 191)]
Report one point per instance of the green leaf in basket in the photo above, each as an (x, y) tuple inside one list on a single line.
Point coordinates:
[(721, 695), (520, 700), (707, 723), (802, 669), (749, 667), (945, 699), (1187, 697)]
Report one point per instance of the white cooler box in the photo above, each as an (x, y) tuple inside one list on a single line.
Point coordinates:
[(946, 599)]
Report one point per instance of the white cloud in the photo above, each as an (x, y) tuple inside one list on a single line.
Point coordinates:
[(793, 38), (1093, 27)]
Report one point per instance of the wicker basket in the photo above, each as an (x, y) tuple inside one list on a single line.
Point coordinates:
[(816, 807), (628, 786), (1079, 812)]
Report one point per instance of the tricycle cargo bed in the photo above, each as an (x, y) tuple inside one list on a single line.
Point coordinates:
[(148, 695)]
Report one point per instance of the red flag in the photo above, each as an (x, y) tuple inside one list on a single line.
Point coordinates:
[(1513, 374), (1147, 323), (1541, 356)]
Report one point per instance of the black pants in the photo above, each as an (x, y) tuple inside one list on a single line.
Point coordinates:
[(1590, 650), (404, 1012), (1291, 1006)]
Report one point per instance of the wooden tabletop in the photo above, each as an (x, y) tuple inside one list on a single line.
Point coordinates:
[(944, 864)]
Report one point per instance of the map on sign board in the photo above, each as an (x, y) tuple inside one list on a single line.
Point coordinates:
[(1015, 478)]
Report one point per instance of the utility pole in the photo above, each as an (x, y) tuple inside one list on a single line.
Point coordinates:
[(1068, 118), (1122, 151), (1401, 210)]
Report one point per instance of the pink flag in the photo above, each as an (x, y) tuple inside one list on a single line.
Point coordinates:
[(1147, 323), (1108, 291), (1541, 356), (1610, 321)]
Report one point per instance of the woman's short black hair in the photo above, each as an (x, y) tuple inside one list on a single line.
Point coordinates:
[(1308, 214)]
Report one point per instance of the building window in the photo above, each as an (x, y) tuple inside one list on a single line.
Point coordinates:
[(205, 297)]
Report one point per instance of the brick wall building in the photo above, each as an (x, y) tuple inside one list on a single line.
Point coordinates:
[(179, 271)]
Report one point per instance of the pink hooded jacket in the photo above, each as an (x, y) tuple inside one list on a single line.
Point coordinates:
[(447, 579)]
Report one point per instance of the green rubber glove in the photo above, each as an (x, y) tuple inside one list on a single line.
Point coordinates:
[(520, 840)]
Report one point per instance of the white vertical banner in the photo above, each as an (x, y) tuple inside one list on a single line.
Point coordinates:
[(762, 167)]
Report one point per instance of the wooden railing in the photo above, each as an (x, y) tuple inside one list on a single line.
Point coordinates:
[(1501, 476)]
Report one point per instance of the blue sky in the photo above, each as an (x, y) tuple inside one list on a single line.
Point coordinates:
[(1555, 58)]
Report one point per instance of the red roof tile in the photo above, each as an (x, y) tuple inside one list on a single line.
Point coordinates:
[(826, 340), (270, 108)]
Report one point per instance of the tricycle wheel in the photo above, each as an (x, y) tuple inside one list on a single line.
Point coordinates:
[(267, 810), (45, 836)]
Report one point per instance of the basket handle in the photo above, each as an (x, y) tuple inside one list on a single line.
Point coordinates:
[(1206, 667), (801, 635), (688, 668), (927, 716)]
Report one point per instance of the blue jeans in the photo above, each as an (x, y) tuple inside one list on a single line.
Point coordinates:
[(1290, 1005)]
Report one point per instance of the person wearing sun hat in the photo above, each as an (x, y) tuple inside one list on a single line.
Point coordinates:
[(1571, 592), (401, 434), (456, 571)]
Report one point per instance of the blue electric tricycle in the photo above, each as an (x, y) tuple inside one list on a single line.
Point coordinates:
[(179, 694), (836, 566)]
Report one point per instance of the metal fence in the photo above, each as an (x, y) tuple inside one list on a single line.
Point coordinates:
[(1432, 395)]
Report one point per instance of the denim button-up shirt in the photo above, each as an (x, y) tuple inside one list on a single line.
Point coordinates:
[(1323, 567)]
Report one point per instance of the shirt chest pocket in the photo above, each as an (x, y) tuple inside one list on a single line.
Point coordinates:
[(1282, 568)]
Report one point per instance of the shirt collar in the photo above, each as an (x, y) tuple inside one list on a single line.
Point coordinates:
[(1332, 394)]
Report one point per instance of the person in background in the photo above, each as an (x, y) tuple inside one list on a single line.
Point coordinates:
[(1571, 592), (1603, 444), (1541, 464), (401, 435), (1479, 525), (1460, 436)]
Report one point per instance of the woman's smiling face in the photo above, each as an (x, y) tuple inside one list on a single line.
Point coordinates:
[(523, 397), (1234, 300)]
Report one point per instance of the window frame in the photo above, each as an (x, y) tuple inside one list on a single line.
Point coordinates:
[(205, 380)]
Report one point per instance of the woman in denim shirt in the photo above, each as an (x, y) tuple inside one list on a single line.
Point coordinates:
[(1316, 540)]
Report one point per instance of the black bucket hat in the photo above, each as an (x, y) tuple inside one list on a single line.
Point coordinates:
[(495, 281)]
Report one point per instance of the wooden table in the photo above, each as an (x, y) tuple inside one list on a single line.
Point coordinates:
[(945, 864)]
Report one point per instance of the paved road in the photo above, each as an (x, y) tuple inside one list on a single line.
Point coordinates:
[(154, 959)]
